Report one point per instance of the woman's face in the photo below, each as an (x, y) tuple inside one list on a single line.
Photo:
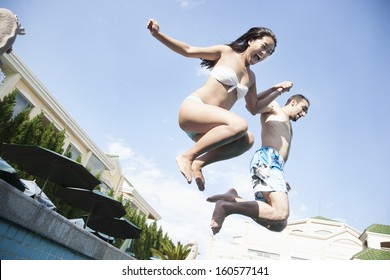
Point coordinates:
[(260, 49)]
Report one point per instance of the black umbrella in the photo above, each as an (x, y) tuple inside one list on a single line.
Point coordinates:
[(93, 202), (80, 222), (50, 166), (8, 174), (119, 228)]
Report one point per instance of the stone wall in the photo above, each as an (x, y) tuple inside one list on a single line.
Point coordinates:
[(30, 231)]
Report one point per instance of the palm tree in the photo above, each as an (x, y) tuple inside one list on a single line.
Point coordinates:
[(169, 251)]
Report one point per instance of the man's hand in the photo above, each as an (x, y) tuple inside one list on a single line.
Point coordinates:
[(283, 87)]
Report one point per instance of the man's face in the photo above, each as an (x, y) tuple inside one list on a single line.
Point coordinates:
[(299, 109)]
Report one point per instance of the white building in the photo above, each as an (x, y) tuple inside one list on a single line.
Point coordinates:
[(31, 93), (376, 243), (307, 239)]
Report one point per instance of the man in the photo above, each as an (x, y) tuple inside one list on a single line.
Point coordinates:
[(271, 206)]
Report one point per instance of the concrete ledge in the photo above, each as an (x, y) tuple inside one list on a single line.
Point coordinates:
[(24, 211)]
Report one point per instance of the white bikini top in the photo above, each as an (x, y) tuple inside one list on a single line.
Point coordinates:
[(227, 76)]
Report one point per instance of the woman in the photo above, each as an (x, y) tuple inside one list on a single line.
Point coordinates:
[(204, 115)]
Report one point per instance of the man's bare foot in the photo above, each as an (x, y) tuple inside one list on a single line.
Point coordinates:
[(229, 196), (184, 164), (219, 216), (199, 179), (197, 171)]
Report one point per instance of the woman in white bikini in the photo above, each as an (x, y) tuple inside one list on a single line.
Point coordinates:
[(204, 115)]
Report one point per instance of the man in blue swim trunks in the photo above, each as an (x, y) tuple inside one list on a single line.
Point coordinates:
[(271, 206)]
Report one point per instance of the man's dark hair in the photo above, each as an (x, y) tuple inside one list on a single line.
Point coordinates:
[(298, 98)]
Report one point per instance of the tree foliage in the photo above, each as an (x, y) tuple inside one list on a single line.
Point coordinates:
[(169, 251), (23, 130), (151, 235)]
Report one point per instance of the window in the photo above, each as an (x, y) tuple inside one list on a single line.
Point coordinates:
[(297, 230), (346, 242), (95, 165), (323, 232), (264, 254), (297, 258), (2, 75), (47, 120), (105, 186), (21, 104), (385, 246), (125, 200), (128, 200), (133, 206), (73, 153)]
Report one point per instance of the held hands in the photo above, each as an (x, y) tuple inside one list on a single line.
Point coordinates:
[(283, 87), (153, 27)]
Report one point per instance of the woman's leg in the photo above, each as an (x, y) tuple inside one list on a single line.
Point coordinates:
[(217, 126), (224, 152)]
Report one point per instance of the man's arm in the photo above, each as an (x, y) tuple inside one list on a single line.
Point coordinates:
[(270, 108), (261, 102)]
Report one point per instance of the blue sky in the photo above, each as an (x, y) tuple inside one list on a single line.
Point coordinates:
[(124, 89)]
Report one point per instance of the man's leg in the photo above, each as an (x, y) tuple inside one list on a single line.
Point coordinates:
[(230, 196), (277, 207), (271, 225), (224, 208), (257, 210)]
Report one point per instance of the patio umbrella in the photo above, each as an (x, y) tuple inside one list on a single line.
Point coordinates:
[(80, 222), (50, 166), (93, 202), (114, 227), (8, 174)]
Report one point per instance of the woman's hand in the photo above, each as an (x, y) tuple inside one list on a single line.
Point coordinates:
[(153, 27)]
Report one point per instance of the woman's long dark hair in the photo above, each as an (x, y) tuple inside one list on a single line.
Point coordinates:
[(241, 44)]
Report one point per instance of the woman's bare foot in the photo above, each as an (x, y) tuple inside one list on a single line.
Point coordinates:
[(229, 196), (185, 164), (219, 216), (197, 171)]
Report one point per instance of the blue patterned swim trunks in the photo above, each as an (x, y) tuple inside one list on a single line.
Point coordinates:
[(266, 169)]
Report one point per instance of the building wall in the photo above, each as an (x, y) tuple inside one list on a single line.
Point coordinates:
[(19, 77), (309, 239), (374, 240)]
